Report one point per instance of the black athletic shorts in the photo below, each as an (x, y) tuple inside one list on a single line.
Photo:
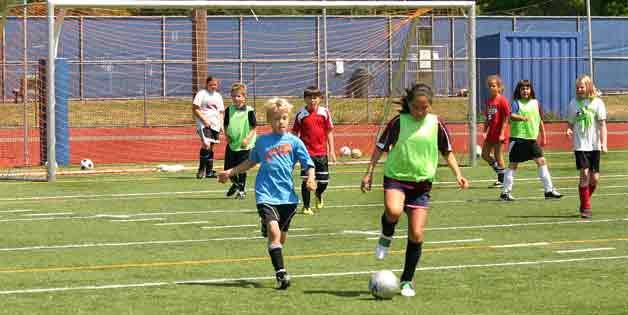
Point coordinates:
[(233, 158), (588, 159), (321, 166), (521, 150), (281, 213), (208, 134)]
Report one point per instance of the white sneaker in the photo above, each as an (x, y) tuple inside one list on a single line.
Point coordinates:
[(381, 251), (407, 289)]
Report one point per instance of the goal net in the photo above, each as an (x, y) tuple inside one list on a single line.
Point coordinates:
[(125, 74)]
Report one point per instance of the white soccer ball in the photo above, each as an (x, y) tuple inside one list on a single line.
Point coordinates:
[(345, 151), (478, 151), (87, 164), (384, 284), (356, 153)]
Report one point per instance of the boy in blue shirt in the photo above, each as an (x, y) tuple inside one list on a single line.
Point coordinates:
[(278, 153)]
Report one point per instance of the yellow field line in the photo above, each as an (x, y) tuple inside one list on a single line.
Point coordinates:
[(248, 259)]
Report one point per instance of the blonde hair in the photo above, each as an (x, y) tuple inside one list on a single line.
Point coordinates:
[(497, 79), (238, 87), (589, 87), (276, 105)]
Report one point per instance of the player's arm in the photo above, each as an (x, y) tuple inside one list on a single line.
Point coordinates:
[(331, 145), (386, 140), (603, 135), (196, 112), (306, 164), (514, 113), (252, 132), (505, 112), (542, 129), (446, 150), (240, 168)]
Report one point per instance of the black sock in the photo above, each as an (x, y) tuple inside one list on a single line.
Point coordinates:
[(203, 157), (305, 194), (413, 254), (210, 161), (320, 189), (242, 181), (388, 228), (276, 257), (500, 175)]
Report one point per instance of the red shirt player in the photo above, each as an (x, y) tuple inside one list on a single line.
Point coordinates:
[(496, 127)]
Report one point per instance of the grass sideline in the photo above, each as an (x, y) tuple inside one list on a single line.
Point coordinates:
[(112, 244)]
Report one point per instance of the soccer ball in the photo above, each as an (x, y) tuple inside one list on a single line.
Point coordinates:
[(87, 164), (356, 153), (383, 284), (345, 151), (478, 151)]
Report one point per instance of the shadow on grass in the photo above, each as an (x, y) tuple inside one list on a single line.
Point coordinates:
[(239, 284), (347, 294), (544, 216)]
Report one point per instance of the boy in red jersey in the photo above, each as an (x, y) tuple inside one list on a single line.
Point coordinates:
[(314, 126), (495, 127)]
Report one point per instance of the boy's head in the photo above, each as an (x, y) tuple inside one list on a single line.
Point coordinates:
[(312, 96), (211, 83), (278, 114), (238, 94)]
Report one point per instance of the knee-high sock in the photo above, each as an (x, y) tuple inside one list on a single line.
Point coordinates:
[(305, 194), (388, 228), (210, 160), (509, 178), (546, 178), (203, 157), (585, 197), (242, 181), (276, 257), (320, 188), (413, 255)]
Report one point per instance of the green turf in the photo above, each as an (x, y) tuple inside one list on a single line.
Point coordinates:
[(548, 284)]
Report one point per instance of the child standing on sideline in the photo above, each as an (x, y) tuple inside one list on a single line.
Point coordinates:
[(314, 126), (413, 140), (587, 127), (239, 125), (276, 200), (495, 127), (525, 125), (208, 109)]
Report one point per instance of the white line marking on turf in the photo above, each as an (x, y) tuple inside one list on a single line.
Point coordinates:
[(16, 211), (314, 275), (521, 245), (491, 226), (437, 242), (139, 220), (182, 223), (46, 214), (584, 250), (360, 232), (218, 227)]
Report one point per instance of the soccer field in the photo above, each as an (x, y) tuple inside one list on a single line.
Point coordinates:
[(166, 243)]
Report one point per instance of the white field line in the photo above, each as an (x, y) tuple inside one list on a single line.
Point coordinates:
[(182, 223), (313, 275), (493, 226), (46, 214), (219, 227), (16, 211), (437, 242), (171, 193), (139, 220), (584, 250), (521, 245)]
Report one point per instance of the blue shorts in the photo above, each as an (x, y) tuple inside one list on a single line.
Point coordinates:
[(417, 193)]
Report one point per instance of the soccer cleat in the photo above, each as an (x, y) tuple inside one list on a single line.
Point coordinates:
[(200, 174), (498, 184), (586, 213), (308, 211), (240, 195), (283, 280), (407, 289), (506, 197), (552, 194), (382, 247), (210, 174), (319, 202), (232, 190)]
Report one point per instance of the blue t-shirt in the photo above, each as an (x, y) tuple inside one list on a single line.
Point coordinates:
[(277, 155)]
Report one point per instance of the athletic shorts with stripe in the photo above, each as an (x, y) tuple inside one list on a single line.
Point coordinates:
[(521, 150), (321, 166), (417, 194), (588, 159), (281, 213), (208, 135)]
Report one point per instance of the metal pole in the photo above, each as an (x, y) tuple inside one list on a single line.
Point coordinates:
[(390, 58), (24, 86), (81, 37), (590, 39), (472, 86), (325, 58), (163, 57), (50, 83), (241, 31), (146, 63), (318, 51)]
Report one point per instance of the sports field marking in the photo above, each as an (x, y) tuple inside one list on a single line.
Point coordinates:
[(219, 227), (47, 214), (138, 220), (313, 275), (161, 264), (182, 223), (471, 240), (584, 250), (522, 245), (16, 211)]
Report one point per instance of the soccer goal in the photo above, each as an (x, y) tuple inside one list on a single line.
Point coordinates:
[(120, 88)]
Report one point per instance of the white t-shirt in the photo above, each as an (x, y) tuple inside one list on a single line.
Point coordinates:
[(586, 138), (211, 105)]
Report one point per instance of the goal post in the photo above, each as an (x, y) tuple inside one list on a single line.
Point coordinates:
[(55, 24)]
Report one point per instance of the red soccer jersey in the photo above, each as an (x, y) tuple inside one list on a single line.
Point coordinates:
[(497, 111), (312, 128)]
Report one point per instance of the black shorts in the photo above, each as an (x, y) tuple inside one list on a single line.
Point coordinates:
[(321, 167), (521, 150), (588, 159), (417, 193), (281, 213), (208, 135), (233, 158)]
